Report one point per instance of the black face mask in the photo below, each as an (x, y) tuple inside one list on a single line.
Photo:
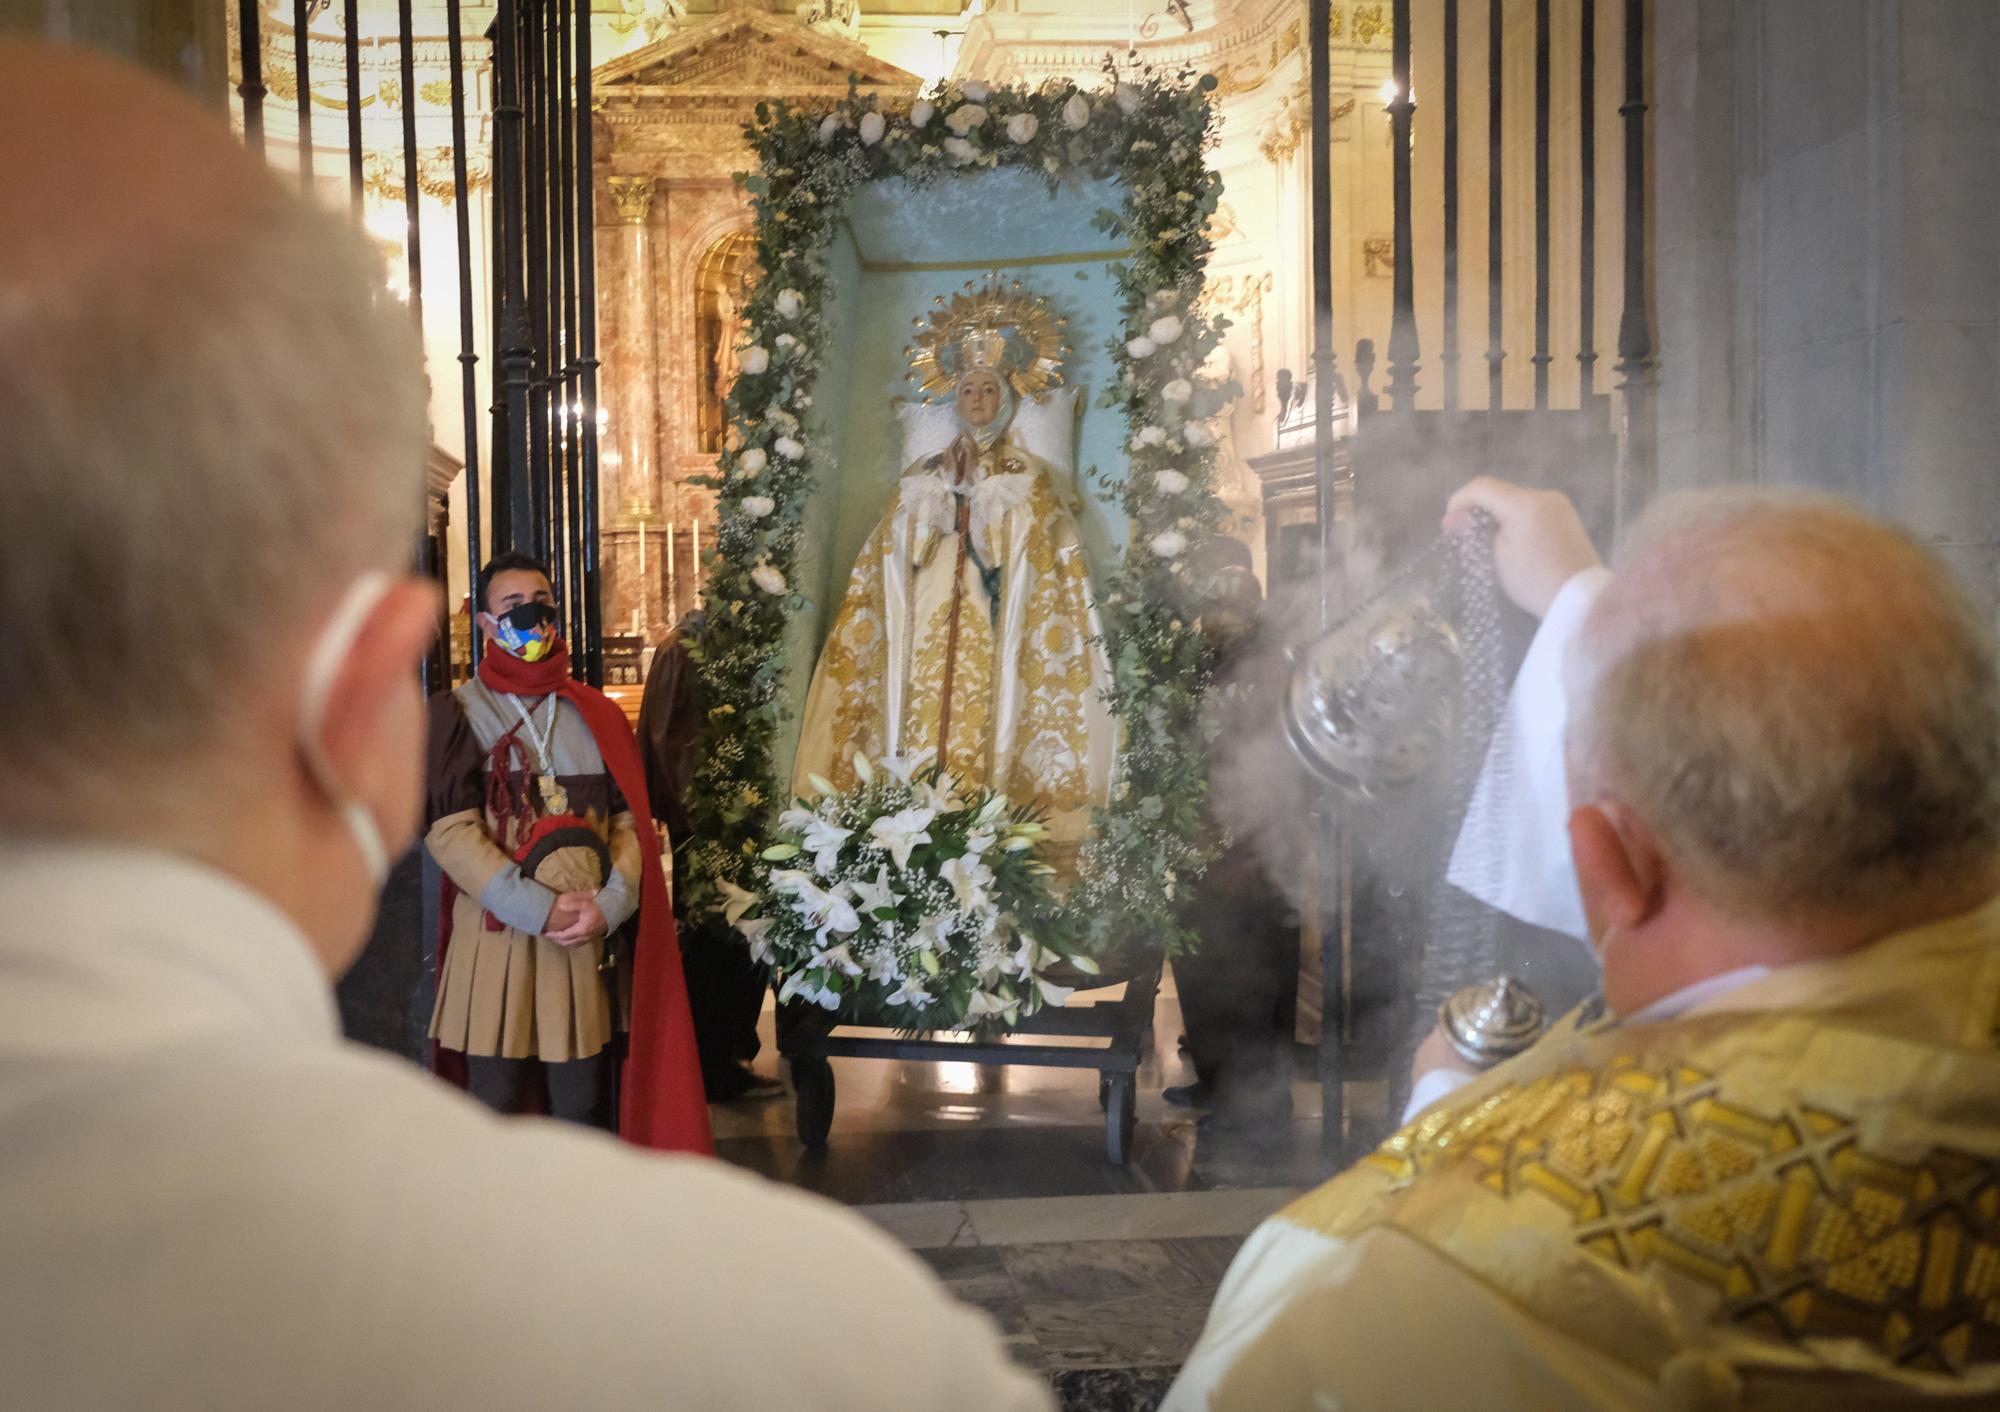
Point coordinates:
[(529, 631)]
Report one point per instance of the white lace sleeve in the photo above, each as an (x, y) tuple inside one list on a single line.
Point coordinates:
[(992, 498)]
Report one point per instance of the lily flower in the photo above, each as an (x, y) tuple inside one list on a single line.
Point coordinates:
[(901, 832), (823, 841), (736, 901), (756, 931), (968, 878), (876, 896), (911, 994)]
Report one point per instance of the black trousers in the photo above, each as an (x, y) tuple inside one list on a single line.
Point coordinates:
[(579, 1091), (725, 997), (1239, 992)]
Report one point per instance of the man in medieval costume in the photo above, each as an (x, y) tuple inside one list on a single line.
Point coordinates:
[(1764, 1170), (969, 630), (555, 929)]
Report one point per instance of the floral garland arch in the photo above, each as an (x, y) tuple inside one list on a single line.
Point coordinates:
[(1150, 842)]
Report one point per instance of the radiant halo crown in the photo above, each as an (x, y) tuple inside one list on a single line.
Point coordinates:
[(995, 324)]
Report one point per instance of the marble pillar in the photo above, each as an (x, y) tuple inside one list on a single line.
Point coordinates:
[(633, 368)]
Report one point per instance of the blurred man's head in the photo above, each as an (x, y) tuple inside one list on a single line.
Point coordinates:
[(211, 466), (1785, 726)]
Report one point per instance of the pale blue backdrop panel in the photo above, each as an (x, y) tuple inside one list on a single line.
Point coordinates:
[(979, 224)]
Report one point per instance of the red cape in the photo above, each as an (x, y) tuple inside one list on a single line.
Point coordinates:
[(661, 1100)]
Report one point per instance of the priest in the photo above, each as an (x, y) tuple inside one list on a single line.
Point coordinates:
[(1762, 1172)]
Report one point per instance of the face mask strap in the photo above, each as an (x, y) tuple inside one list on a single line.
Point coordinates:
[(328, 656)]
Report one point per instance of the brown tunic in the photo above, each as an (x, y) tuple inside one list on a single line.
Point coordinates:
[(511, 992)]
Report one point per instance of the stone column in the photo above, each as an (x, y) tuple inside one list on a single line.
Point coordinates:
[(632, 366), (1829, 297)]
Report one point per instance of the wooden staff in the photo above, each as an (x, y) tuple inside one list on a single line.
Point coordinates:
[(959, 459)]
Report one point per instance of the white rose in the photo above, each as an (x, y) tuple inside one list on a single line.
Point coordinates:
[(789, 303), (785, 341), (1022, 127), (872, 128), (756, 507), (1142, 347), (1168, 544), (975, 91), (1197, 434), (965, 117), (1076, 113), (756, 359), (1128, 96), (829, 125), (1165, 330), (1179, 390), (1150, 436), (789, 448), (752, 462), (1169, 483), (772, 581), (959, 150), (921, 112)]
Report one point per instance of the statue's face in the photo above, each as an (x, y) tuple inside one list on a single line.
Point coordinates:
[(979, 398)]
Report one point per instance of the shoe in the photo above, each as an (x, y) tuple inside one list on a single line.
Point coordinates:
[(740, 1082), (1195, 1095)]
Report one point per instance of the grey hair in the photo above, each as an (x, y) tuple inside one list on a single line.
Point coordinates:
[(1800, 700), (200, 440)]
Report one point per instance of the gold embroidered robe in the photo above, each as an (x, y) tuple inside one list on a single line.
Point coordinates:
[(1788, 1197), (1027, 673)]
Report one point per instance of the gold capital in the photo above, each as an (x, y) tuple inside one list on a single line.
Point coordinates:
[(633, 196)]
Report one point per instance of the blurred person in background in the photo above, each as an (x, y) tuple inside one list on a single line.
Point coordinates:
[(211, 745)]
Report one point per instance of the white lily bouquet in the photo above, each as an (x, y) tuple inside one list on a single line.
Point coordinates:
[(905, 902)]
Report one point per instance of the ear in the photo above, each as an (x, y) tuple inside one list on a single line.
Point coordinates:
[(373, 731), (1619, 866)]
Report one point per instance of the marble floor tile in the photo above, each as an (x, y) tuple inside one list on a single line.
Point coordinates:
[(1118, 1304), (924, 1225), (1140, 1216), (1112, 1389), (980, 1278)]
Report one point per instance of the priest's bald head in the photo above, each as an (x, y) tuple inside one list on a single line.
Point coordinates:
[(1784, 741), (211, 441)]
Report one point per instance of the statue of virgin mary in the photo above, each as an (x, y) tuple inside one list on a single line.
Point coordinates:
[(968, 629)]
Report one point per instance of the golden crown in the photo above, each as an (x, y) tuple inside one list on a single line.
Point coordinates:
[(996, 326)]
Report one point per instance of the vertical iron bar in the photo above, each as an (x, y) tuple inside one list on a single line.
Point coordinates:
[(468, 360), (413, 245), (558, 425), (535, 190), (565, 197), (302, 75), (1496, 352), (586, 348), (1635, 338), (356, 178), (1450, 345), (1586, 356), (250, 37), (510, 333), (1332, 1068), (1403, 322), (1541, 358)]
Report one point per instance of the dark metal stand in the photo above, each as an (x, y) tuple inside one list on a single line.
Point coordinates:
[(809, 1039)]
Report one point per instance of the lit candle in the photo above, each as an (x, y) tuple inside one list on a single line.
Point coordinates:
[(642, 577), (694, 527), (673, 581)]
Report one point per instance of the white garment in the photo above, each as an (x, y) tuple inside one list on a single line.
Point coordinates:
[(1403, 1301), (212, 1202), (1513, 848)]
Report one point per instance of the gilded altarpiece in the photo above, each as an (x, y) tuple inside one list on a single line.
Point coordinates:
[(672, 223)]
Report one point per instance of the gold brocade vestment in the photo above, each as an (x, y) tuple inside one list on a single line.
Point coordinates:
[(1787, 1198), (970, 615)]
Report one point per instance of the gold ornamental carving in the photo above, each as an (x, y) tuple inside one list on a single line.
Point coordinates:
[(632, 197), (382, 173), (1370, 21), (1378, 257)]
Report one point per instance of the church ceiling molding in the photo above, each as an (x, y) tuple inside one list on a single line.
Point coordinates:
[(748, 54)]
